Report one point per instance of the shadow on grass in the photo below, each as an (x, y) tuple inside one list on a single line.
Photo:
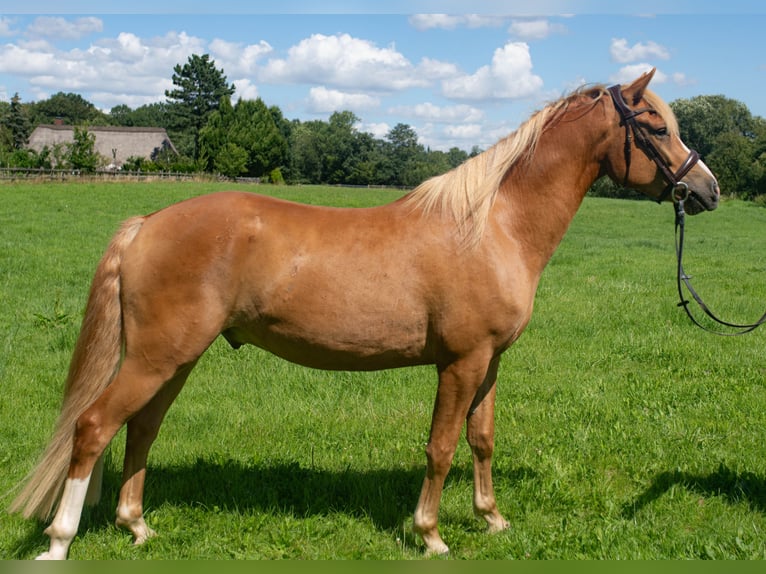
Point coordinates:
[(387, 496), (733, 486)]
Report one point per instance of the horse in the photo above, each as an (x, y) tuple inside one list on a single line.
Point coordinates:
[(445, 275)]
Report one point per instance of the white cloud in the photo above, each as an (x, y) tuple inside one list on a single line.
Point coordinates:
[(445, 137), (508, 76), (627, 74), (107, 100), (680, 79), (129, 55), (61, 28), (624, 54), (6, 27), (436, 70), (122, 70), (238, 58), (534, 29), (245, 90), (128, 48), (19, 60), (345, 62), (468, 132), (323, 100), (378, 130), (428, 21), (431, 112), (450, 22)]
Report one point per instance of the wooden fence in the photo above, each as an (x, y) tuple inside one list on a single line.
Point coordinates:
[(21, 173)]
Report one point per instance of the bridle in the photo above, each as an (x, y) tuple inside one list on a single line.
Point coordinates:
[(633, 131), (680, 192)]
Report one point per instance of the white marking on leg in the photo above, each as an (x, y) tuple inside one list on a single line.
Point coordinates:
[(64, 526)]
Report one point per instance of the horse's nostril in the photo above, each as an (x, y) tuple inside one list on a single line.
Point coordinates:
[(717, 196)]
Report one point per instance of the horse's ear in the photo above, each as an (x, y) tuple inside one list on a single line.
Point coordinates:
[(635, 91)]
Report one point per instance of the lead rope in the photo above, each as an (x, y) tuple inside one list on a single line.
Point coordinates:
[(684, 279)]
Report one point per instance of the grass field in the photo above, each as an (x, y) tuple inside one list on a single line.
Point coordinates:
[(623, 432)]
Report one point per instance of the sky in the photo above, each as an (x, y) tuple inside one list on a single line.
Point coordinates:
[(462, 74)]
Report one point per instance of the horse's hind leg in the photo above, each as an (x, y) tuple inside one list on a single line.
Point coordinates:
[(142, 431), (134, 386)]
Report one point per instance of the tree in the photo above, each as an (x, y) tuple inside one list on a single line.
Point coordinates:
[(71, 108), (456, 156), (265, 144), (82, 151), (727, 137), (340, 151), (367, 166), (247, 126), (305, 152), (156, 115), (231, 160), (121, 115), (404, 138), (200, 89), (734, 162), (335, 152), (405, 155), (17, 123)]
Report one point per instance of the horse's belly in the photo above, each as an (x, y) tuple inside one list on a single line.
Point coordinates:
[(338, 339)]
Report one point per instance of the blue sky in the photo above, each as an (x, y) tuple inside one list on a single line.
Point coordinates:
[(460, 73)]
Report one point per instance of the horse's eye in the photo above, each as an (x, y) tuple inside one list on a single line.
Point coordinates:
[(661, 131)]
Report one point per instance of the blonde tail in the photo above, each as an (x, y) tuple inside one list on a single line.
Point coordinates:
[(94, 364)]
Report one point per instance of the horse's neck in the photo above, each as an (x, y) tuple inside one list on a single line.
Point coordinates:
[(541, 201)]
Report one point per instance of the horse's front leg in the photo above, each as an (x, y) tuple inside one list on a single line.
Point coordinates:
[(480, 434), (458, 384)]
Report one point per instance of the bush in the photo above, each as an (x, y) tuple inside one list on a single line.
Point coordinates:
[(276, 176), (605, 187), (81, 152), (25, 158), (231, 161)]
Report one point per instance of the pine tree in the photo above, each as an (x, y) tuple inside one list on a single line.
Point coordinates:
[(200, 89), (18, 123)]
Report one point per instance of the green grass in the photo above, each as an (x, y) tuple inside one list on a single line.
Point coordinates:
[(622, 430)]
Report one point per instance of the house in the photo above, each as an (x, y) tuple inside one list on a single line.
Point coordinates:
[(116, 144)]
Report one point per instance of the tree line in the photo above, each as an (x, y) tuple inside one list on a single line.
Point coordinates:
[(247, 138)]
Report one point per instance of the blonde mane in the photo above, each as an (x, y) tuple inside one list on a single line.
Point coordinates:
[(468, 192)]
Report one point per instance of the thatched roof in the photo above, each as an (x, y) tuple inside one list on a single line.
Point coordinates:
[(116, 144)]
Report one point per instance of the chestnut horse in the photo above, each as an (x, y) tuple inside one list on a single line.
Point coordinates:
[(445, 275)]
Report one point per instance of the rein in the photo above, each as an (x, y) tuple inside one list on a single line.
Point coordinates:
[(685, 280), (680, 192)]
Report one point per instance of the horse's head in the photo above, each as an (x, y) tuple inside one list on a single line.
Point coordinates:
[(646, 152)]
